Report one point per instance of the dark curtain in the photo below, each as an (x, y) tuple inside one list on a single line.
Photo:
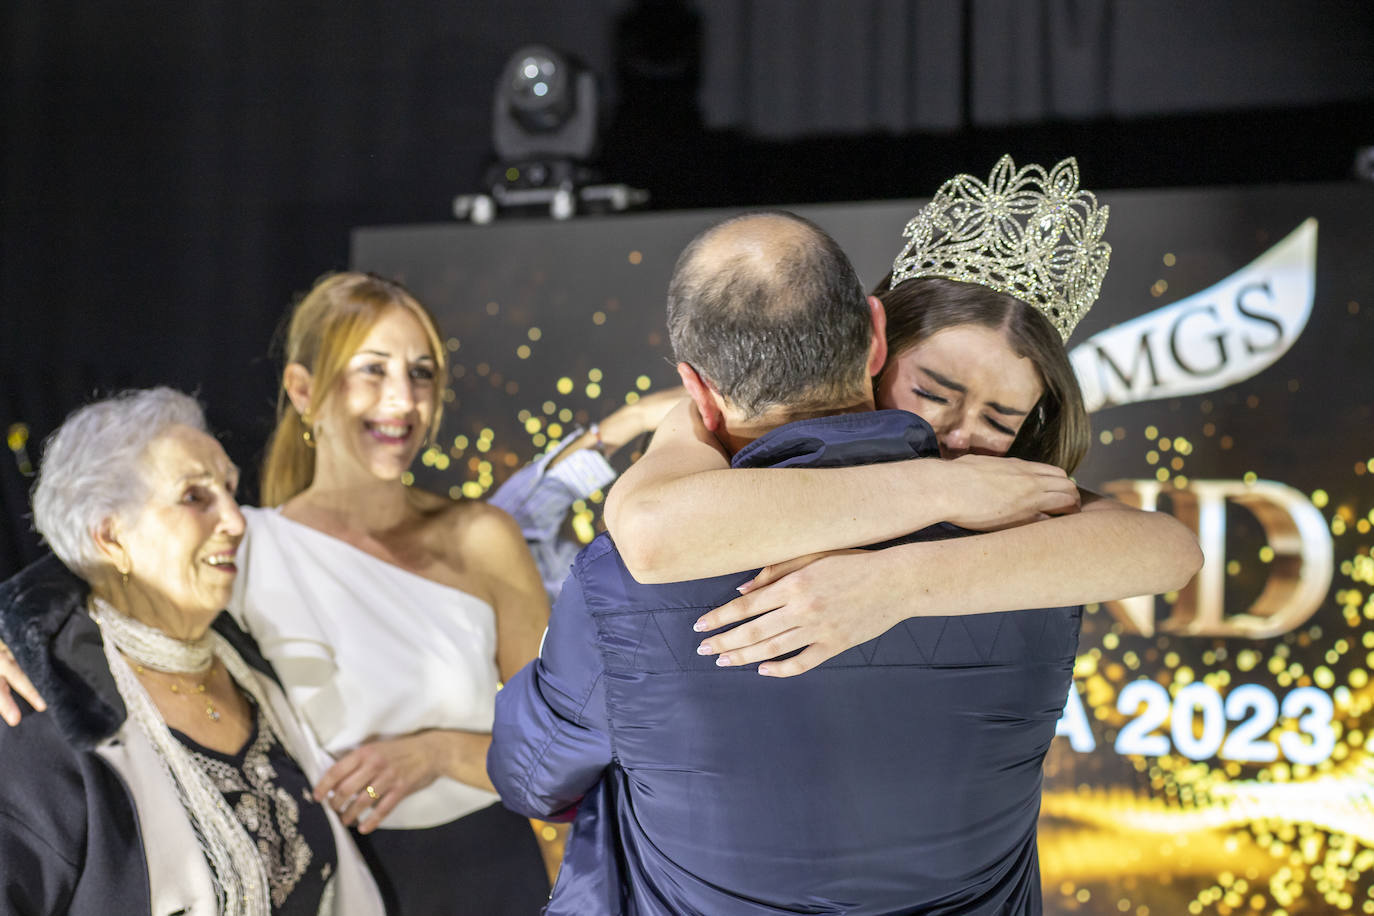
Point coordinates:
[(794, 68), (171, 174)]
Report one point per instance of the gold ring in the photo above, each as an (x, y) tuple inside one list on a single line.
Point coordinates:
[(372, 793)]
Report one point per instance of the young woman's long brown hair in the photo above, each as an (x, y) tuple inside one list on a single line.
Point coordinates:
[(1057, 431), (326, 329)]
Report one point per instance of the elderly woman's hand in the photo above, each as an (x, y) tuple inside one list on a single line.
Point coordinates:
[(367, 783), (13, 680)]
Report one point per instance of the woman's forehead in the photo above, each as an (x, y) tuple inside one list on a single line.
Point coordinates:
[(397, 333), (183, 452), (976, 357)]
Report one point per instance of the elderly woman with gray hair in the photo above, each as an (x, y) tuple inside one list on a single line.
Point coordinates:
[(170, 774)]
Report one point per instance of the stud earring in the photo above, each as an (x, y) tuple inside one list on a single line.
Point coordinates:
[(307, 434)]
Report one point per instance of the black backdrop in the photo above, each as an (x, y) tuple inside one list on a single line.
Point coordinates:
[(172, 173)]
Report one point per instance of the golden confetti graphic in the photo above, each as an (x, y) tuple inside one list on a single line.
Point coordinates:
[(1225, 775)]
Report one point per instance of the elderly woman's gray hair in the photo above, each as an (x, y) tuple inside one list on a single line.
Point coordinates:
[(92, 468)]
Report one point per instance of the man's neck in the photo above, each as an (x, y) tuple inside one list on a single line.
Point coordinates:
[(734, 435)]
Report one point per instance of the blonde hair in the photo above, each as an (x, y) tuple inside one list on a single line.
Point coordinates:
[(326, 328)]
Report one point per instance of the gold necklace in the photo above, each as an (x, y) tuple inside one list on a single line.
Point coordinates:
[(197, 691)]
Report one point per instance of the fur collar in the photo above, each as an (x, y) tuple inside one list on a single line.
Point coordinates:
[(43, 620)]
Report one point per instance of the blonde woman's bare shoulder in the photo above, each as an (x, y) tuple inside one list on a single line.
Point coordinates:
[(433, 506), (465, 525)]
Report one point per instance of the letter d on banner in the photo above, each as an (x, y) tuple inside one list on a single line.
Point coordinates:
[(1300, 571), (1218, 337)]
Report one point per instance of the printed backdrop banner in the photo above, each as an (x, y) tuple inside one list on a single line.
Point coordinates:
[(1209, 340), (1212, 757)]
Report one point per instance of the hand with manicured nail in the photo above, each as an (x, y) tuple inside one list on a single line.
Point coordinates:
[(822, 603)]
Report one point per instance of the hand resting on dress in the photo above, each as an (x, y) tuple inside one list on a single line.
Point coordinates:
[(395, 767)]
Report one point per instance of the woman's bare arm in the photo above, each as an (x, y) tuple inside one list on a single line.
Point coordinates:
[(493, 543), (680, 513), (832, 603), (625, 424)]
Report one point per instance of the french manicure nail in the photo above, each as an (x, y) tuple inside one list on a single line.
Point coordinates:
[(724, 662), (763, 669), (699, 627), (704, 649)]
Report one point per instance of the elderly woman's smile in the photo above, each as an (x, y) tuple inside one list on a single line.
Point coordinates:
[(179, 548), (172, 721)]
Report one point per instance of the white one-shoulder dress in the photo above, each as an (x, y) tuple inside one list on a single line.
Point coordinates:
[(366, 650)]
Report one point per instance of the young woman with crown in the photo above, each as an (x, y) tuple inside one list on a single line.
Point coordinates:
[(989, 285)]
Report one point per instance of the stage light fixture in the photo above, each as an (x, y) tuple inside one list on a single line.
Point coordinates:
[(545, 119), (545, 108)]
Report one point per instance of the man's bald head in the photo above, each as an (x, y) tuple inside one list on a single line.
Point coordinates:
[(768, 309)]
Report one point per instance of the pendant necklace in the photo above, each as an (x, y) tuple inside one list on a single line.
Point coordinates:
[(151, 649), (197, 690)]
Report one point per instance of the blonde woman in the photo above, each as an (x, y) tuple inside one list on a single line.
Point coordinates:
[(391, 613)]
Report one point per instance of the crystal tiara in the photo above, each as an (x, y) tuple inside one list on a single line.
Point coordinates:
[(1025, 233)]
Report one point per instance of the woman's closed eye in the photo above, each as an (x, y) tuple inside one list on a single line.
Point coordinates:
[(1000, 427), (930, 396)]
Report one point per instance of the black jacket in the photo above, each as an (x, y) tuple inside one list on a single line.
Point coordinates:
[(69, 835)]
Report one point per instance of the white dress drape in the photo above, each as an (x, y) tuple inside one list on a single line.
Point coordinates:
[(366, 649)]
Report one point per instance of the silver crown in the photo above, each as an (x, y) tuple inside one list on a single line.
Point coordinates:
[(1025, 233)]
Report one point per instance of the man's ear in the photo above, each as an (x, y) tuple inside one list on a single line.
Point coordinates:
[(877, 345), (703, 395), (297, 382)]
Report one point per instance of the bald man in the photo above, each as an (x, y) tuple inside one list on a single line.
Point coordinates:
[(866, 786)]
